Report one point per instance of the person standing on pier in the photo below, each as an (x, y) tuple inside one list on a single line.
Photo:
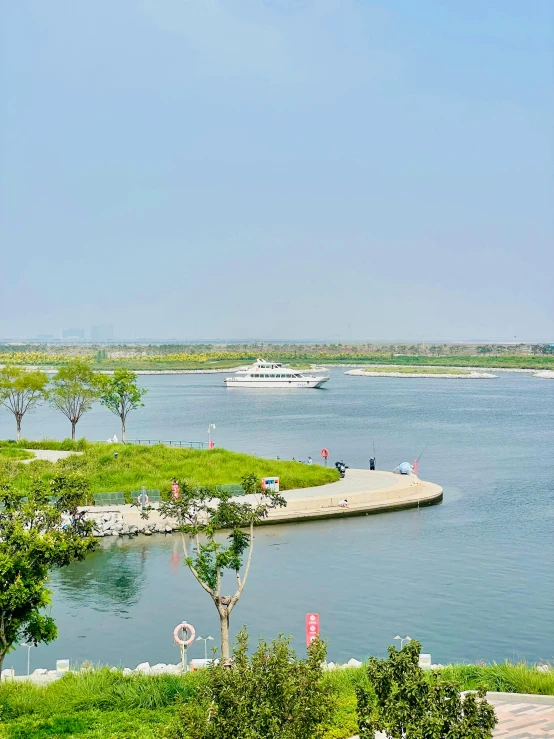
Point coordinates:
[(372, 463)]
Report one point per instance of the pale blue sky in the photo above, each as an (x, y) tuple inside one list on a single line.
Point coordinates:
[(278, 168)]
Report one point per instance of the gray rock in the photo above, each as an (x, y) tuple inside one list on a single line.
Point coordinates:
[(158, 669), (127, 671), (40, 671), (354, 663), (144, 667)]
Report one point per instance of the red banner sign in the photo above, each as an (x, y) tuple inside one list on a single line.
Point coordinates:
[(312, 627)]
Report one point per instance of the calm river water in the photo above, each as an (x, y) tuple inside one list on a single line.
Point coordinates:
[(472, 578)]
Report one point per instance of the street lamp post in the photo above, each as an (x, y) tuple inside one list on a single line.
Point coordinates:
[(205, 639), (24, 644), (210, 427), (403, 640)]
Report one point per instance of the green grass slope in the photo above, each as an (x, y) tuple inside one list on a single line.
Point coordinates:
[(156, 466)]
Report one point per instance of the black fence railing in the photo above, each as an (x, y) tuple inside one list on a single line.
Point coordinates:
[(182, 444)]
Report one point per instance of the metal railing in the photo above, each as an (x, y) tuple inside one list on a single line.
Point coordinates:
[(182, 444)]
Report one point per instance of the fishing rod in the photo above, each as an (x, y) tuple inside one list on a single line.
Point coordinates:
[(374, 449), (424, 448)]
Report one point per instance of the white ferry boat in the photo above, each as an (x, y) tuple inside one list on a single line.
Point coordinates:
[(274, 375)]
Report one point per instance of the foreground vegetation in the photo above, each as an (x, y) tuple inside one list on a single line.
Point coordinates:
[(197, 356), (102, 704), (156, 466)]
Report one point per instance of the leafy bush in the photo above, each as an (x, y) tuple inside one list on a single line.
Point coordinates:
[(409, 704), (271, 694)]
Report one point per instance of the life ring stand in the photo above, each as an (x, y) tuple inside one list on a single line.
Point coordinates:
[(184, 626), (324, 453), (143, 500)]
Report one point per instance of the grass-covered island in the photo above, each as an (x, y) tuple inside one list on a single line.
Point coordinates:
[(104, 704), (127, 467), (406, 371)]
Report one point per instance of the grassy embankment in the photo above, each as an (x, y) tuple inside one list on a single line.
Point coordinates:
[(156, 466), (104, 705), (14, 453), (417, 370), (191, 357)]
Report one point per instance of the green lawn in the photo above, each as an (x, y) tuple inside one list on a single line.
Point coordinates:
[(14, 453), (102, 704), (156, 466)]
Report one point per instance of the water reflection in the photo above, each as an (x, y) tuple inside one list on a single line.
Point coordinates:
[(111, 579)]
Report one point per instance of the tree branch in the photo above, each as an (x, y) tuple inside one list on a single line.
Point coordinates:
[(193, 569), (238, 593)]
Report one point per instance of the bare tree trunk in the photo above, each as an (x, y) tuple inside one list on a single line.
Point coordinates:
[(123, 431), (73, 425), (2, 655), (224, 626), (18, 421)]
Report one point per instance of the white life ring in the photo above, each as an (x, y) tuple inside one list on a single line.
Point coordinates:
[(184, 626), (143, 499)]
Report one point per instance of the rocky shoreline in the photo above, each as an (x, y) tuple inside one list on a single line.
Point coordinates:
[(112, 523)]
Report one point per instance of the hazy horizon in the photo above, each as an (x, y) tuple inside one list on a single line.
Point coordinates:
[(337, 168)]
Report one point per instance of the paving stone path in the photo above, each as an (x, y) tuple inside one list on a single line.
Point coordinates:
[(524, 716)]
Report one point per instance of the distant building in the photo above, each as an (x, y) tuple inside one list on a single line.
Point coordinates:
[(102, 332), (45, 337), (73, 333)]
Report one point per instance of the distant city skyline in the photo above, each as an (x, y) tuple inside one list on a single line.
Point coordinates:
[(286, 168)]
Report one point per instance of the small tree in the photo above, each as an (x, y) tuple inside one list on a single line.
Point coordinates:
[(409, 704), (121, 394), (35, 538), (21, 390), (271, 694), (75, 387), (201, 514)]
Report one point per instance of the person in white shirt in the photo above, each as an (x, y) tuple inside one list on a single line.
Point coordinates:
[(343, 503)]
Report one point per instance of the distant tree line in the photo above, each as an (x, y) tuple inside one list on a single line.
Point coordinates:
[(73, 390)]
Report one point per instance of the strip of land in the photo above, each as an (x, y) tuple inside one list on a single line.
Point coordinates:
[(365, 492), (436, 372)]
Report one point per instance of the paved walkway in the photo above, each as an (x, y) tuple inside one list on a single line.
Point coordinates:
[(49, 455), (519, 716), (355, 481), (523, 716)]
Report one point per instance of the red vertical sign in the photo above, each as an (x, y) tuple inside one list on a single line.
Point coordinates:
[(312, 627), (415, 467)]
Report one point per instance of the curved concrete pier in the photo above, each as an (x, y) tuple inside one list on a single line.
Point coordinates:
[(366, 492)]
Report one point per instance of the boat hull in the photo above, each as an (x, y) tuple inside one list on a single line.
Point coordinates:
[(277, 384)]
